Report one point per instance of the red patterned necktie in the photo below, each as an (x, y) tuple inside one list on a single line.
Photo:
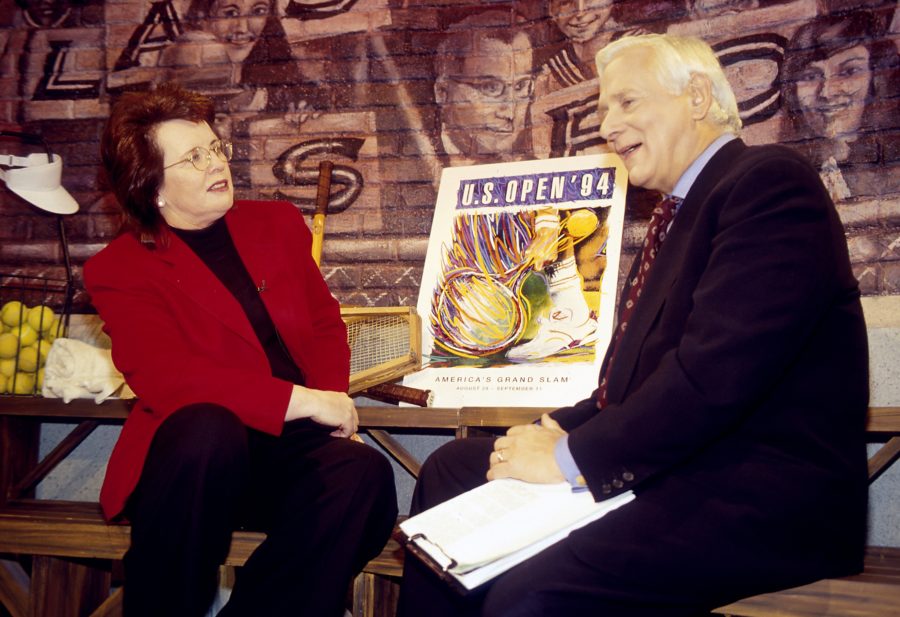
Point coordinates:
[(656, 233)]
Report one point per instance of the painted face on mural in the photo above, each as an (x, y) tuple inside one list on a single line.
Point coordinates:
[(192, 198), (581, 20), (46, 13), (485, 107), (832, 93), (238, 24)]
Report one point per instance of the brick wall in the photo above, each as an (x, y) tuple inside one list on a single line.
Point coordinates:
[(356, 83)]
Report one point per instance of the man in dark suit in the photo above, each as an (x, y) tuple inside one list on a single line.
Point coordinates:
[(732, 399)]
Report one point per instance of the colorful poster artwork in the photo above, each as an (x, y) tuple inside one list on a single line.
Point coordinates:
[(510, 316)]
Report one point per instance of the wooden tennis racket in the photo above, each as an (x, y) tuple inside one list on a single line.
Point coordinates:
[(385, 343)]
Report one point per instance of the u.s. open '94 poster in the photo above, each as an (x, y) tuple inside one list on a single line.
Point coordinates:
[(518, 292)]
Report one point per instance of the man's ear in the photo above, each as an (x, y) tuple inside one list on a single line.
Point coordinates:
[(699, 90)]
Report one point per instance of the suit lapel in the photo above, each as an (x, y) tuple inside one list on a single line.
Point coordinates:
[(665, 271), (187, 273), (254, 243)]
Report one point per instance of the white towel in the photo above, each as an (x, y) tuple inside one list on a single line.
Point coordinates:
[(75, 369)]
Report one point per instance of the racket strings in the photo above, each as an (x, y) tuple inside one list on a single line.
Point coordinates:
[(377, 340), (478, 307)]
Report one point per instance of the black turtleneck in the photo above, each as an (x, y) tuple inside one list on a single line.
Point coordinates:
[(216, 249)]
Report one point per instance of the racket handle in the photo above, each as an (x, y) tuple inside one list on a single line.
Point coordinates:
[(395, 393), (322, 195)]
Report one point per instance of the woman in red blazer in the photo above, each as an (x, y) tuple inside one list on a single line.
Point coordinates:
[(224, 328)]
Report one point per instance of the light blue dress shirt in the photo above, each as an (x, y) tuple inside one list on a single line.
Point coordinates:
[(563, 454)]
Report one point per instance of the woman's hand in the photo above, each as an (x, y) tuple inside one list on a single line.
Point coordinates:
[(325, 407)]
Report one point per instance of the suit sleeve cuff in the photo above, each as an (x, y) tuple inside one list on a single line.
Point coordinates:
[(568, 466)]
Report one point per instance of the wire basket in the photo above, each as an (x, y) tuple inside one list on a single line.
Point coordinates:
[(34, 311)]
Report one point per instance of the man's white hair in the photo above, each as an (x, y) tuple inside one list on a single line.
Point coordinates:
[(677, 58)]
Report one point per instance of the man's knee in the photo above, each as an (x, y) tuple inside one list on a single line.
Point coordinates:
[(522, 603), (462, 460), (454, 468)]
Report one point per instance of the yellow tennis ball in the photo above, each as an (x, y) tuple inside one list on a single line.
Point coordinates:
[(9, 345), (43, 348), (2, 384), (41, 318), (56, 330), (23, 383), (13, 313), (28, 359), (40, 379), (8, 367), (582, 222), (27, 335)]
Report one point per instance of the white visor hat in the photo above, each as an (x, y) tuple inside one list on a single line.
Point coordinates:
[(37, 181)]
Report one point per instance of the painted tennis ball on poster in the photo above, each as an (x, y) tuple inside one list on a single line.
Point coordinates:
[(581, 223)]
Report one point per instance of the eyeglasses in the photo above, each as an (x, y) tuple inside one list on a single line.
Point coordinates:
[(497, 89), (200, 157)]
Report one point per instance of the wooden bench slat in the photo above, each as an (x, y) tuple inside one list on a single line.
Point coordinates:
[(884, 458), (14, 586), (80, 408), (876, 591), (77, 529), (883, 420), (828, 598)]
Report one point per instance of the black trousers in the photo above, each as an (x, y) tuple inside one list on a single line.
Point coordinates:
[(557, 581), (327, 505)]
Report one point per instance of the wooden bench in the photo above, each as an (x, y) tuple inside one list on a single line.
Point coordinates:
[(74, 553), (873, 593)]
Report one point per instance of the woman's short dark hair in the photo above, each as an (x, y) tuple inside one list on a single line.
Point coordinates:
[(824, 37), (131, 156)]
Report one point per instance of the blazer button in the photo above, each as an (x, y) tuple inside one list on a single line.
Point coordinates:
[(627, 476), (617, 483), (606, 489)]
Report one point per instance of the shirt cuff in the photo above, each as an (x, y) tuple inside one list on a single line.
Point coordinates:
[(568, 465)]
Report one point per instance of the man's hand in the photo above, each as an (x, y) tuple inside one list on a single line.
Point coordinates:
[(526, 453)]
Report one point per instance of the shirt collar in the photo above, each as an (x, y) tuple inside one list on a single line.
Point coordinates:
[(686, 181)]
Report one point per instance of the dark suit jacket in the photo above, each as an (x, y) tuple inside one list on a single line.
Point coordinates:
[(180, 337), (738, 396)]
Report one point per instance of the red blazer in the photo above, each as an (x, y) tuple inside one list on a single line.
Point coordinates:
[(180, 337)]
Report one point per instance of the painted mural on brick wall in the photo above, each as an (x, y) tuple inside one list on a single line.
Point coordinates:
[(394, 91)]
